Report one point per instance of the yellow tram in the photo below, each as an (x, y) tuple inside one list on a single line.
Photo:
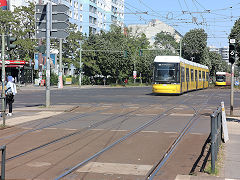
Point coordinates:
[(175, 75), (223, 79)]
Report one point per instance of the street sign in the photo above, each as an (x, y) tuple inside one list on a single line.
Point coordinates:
[(54, 34), (59, 21), (60, 8), (55, 17), (55, 25)]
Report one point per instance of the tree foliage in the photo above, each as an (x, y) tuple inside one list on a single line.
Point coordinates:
[(217, 64), (165, 40), (194, 45)]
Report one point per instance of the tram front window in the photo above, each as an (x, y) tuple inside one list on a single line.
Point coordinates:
[(166, 72), (221, 78)]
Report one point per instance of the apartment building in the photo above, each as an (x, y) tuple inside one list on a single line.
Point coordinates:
[(90, 16), (224, 52)]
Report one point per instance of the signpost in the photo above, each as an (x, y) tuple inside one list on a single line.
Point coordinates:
[(51, 22)]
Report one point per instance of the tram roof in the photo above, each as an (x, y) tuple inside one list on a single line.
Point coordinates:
[(177, 59), (221, 73)]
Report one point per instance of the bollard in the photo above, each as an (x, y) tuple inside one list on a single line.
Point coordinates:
[(3, 148)]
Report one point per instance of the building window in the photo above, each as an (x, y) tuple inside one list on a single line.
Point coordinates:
[(70, 13), (92, 30), (80, 28), (75, 4), (94, 1), (81, 17), (92, 20), (92, 9), (81, 7)]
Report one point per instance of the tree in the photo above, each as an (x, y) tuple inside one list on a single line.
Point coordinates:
[(218, 65), (194, 45), (24, 29), (165, 40)]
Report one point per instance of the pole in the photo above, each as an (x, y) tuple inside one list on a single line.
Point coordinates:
[(134, 71), (49, 12), (80, 63), (60, 83), (3, 78), (180, 47), (232, 91)]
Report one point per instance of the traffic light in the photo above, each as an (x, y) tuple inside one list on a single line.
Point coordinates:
[(41, 49), (140, 52), (10, 44), (232, 53)]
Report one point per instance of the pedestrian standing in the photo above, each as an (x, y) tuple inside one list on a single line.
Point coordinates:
[(10, 93)]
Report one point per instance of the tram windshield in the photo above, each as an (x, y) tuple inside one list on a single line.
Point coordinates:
[(221, 78), (166, 73)]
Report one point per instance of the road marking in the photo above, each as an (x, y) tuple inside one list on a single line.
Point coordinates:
[(150, 131), (38, 164), (40, 115), (170, 132), (116, 130), (116, 168), (175, 114), (107, 113)]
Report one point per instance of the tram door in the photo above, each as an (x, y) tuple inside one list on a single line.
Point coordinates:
[(196, 79), (187, 77), (182, 77)]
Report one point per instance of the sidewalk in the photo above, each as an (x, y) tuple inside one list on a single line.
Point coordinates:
[(26, 114)]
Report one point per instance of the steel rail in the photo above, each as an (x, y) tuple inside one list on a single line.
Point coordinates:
[(153, 172), (136, 130), (74, 133)]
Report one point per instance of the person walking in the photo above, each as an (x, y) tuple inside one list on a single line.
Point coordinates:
[(10, 93)]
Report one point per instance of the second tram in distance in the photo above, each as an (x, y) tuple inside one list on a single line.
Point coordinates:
[(175, 75), (223, 79)]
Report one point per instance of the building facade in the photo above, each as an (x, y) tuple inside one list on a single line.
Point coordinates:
[(224, 52), (152, 28), (90, 16)]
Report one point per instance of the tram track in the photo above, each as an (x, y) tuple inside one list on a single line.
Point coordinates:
[(154, 171), (95, 125), (131, 133)]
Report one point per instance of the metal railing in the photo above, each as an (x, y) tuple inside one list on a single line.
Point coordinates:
[(216, 135), (3, 148)]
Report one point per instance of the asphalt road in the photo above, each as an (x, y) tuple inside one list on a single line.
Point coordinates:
[(134, 95)]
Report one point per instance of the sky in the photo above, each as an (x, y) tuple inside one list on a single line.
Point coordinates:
[(216, 17)]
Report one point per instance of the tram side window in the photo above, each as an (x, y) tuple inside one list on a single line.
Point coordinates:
[(207, 76), (192, 78), (182, 74), (187, 74), (196, 75), (200, 75), (203, 75)]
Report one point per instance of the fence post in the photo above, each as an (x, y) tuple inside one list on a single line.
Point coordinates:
[(213, 143), (3, 148)]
